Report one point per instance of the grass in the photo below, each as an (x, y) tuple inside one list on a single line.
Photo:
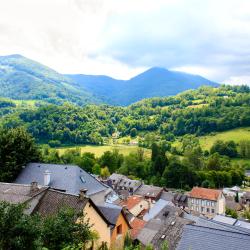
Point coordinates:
[(99, 150), (236, 135)]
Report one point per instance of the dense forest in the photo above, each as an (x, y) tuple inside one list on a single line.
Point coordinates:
[(164, 168), (195, 112)]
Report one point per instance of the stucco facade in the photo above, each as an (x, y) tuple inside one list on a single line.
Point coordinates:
[(206, 206), (112, 236), (119, 232), (98, 225)]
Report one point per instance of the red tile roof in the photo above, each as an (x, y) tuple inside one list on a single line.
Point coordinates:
[(137, 226), (205, 193), (131, 201)]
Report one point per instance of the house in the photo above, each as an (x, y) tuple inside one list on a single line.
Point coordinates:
[(135, 204), (120, 182), (149, 192), (207, 202), (108, 220), (57, 177), (209, 234), (164, 227)]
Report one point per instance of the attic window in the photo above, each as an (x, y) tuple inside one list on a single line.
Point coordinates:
[(119, 230), (82, 179)]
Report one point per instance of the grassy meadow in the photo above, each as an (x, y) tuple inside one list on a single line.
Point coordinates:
[(99, 150), (236, 135)]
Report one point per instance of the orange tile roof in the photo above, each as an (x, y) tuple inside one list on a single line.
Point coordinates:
[(137, 226), (131, 201), (205, 193)]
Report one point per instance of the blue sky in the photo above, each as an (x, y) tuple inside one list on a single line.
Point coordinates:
[(122, 38)]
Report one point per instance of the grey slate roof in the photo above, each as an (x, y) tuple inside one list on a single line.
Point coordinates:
[(166, 226), (68, 178), (17, 193), (197, 237), (224, 219), (149, 190), (221, 224), (167, 196), (110, 211), (156, 209)]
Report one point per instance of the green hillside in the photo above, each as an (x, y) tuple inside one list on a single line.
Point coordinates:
[(25, 79), (236, 135), (198, 112)]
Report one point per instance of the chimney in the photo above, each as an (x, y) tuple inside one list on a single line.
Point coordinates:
[(82, 194), (34, 187), (47, 177)]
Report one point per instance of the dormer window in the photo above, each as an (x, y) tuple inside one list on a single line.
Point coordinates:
[(82, 179)]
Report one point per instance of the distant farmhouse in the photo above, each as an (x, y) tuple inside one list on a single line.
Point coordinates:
[(207, 202)]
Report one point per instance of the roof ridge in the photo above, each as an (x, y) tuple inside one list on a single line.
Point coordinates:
[(57, 164), (217, 229)]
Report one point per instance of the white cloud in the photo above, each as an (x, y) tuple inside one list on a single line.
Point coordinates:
[(122, 38)]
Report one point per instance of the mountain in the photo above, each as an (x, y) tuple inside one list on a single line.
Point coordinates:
[(155, 82), (22, 78)]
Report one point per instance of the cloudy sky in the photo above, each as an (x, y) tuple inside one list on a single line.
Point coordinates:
[(121, 38)]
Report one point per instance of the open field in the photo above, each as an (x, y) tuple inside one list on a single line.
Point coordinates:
[(99, 150), (236, 135)]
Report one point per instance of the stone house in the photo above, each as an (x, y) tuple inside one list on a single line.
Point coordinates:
[(207, 202)]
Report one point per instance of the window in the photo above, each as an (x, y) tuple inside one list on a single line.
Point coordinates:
[(208, 210), (192, 207), (202, 209), (212, 204), (197, 209), (197, 201), (208, 203), (212, 211), (119, 229)]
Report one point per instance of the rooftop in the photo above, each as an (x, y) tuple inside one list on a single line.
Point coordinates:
[(18, 193), (149, 190), (197, 237), (137, 226), (110, 211), (205, 193), (53, 201), (166, 226), (156, 209), (131, 201), (60, 176)]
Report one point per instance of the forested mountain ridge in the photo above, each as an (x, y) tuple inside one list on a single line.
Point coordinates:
[(196, 112), (25, 79), (155, 82), (22, 78)]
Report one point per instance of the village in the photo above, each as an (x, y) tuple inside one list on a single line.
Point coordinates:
[(118, 207)]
